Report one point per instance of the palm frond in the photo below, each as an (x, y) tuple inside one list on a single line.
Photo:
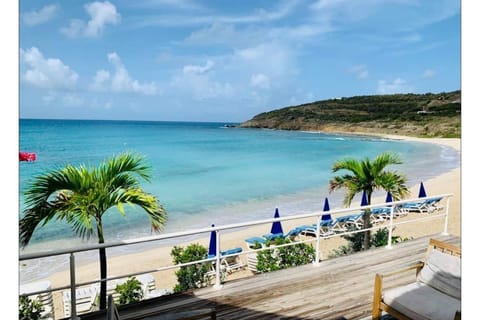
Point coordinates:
[(124, 163), (148, 202), (366, 175)]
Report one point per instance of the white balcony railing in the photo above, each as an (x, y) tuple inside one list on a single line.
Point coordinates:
[(219, 230)]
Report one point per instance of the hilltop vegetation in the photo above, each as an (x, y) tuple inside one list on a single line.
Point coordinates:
[(420, 115)]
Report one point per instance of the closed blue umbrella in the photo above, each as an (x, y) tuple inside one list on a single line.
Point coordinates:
[(212, 247), (326, 207), (364, 199), (389, 197), (277, 225), (422, 193)]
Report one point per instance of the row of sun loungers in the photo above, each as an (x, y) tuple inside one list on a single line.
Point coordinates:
[(341, 224), (425, 206), (86, 297), (331, 226)]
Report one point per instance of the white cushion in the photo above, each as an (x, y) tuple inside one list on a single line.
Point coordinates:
[(421, 302), (442, 272)]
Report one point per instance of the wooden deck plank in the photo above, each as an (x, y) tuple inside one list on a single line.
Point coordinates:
[(340, 288)]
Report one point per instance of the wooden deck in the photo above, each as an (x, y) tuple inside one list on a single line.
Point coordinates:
[(339, 288)]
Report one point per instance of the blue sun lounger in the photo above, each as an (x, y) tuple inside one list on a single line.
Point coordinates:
[(425, 206), (252, 241), (355, 220), (290, 234)]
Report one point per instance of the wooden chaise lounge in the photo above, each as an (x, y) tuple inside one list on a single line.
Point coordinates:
[(436, 293)]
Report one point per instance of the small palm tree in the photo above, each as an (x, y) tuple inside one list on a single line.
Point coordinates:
[(366, 175), (82, 196)]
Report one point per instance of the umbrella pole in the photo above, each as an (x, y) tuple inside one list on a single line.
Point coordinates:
[(317, 244), (217, 285), (390, 229)]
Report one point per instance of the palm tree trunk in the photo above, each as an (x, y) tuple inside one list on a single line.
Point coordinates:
[(366, 223), (103, 267)]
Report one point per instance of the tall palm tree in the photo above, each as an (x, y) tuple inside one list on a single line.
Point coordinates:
[(82, 196), (366, 175)]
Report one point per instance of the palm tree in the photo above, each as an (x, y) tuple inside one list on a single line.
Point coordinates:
[(366, 175), (82, 196)]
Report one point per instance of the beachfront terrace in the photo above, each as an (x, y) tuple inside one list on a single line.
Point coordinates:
[(329, 289), (340, 288)]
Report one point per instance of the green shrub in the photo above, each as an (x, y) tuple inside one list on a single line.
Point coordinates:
[(191, 276), (355, 242), (130, 291), (30, 309), (284, 257)]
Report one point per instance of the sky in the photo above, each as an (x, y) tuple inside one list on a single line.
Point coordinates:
[(191, 60)]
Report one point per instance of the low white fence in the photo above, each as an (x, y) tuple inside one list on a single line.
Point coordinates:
[(221, 229)]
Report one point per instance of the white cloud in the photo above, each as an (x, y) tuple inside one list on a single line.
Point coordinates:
[(274, 59), (100, 81), (196, 81), (201, 87), (235, 37), (261, 15), (190, 69), (396, 86), (175, 4), (260, 80), (74, 29), (391, 17), (46, 73), (360, 71), (101, 14), (33, 18), (428, 73), (66, 99), (120, 81)]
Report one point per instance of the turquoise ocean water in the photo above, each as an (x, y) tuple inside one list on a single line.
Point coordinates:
[(204, 173)]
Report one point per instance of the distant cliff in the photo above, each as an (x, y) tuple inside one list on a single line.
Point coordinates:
[(420, 115)]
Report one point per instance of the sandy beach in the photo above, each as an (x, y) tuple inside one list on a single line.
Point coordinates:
[(155, 258)]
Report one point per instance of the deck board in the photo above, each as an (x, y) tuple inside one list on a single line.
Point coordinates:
[(340, 288)]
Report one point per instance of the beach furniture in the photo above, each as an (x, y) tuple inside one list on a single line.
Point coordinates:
[(378, 215), (383, 213), (231, 259), (252, 262), (149, 287), (292, 234), (85, 300), (434, 295), (352, 220), (45, 298), (424, 206), (147, 282), (254, 241), (311, 230)]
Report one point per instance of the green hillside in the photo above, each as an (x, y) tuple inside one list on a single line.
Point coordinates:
[(421, 115)]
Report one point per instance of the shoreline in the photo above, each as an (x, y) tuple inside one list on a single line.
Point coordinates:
[(151, 259)]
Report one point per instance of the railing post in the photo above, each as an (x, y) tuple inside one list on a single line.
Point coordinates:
[(390, 229), (73, 294), (317, 244), (445, 227), (218, 268)]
